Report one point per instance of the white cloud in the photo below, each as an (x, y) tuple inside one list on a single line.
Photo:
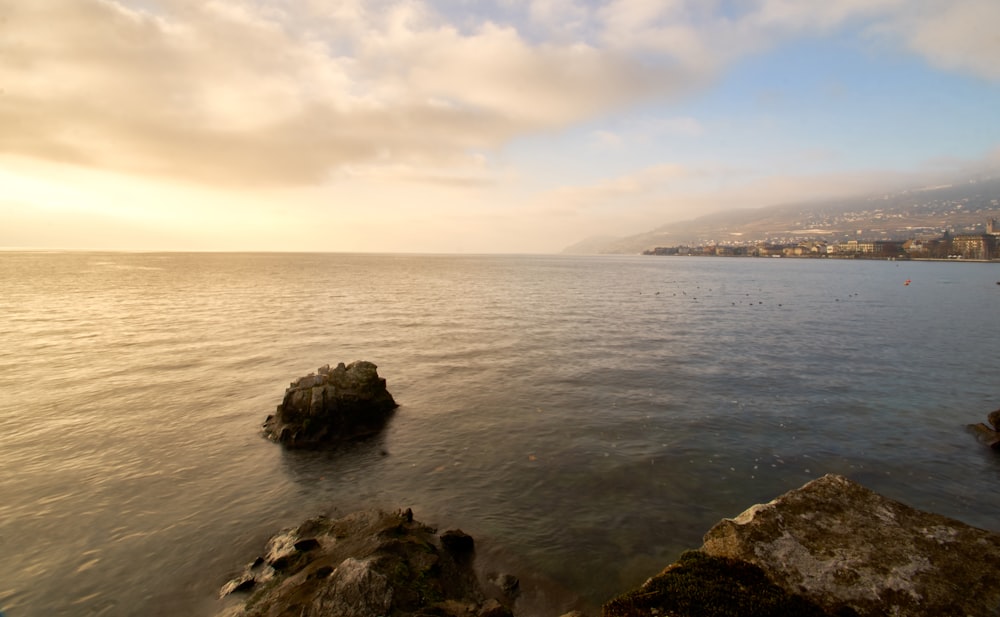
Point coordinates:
[(811, 15), (676, 125), (637, 190), (609, 140), (954, 35), (958, 35), (232, 92), (646, 131), (673, 29), (289, 92), (565, 18)]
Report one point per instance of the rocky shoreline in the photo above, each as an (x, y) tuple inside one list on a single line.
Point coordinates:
[(829, 548)]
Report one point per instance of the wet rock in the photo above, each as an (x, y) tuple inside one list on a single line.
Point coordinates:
[(306, 544), (245, 584), (994, 419), (458, 543), (846, 548), (493, 608), (355, 589), (700, 585), (331, 406), (367, 564), (508, 584), (986, 435)]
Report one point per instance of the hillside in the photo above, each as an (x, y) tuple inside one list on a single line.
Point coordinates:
[(962, 207)]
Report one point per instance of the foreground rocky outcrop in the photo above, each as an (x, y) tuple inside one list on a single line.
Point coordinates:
[(700, 585), (843, 546), (831, 548), (368, 564), (331, 406)]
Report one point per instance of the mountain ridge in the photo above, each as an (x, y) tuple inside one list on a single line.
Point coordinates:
[(959, 207)]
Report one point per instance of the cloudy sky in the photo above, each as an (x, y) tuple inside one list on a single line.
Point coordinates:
[(470, 126)]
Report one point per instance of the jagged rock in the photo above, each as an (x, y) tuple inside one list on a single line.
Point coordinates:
[(354, 589), (368, 564), (330, 406), (845, 547)]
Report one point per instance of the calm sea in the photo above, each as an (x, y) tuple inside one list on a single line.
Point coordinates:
[(584, 418)]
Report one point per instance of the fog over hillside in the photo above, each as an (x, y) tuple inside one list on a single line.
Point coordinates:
[(963, 206)]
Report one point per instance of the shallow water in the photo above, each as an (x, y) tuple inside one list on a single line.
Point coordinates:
[(587, 418)]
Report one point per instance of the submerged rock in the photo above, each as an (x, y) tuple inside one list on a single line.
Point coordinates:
[(330, 406), (986, 435), (994, 418), (989, 435), (847, 548), (368, 564)]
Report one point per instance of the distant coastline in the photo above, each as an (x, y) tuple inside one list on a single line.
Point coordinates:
[(980, 247), (919, 214), (839, 257)]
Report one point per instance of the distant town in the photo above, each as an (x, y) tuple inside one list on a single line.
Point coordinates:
[(967, 246), (941, 221)]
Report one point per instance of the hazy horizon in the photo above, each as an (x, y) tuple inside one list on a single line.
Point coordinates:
[(503, 126)]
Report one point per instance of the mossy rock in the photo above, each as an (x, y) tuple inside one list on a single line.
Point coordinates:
[(700, 585)]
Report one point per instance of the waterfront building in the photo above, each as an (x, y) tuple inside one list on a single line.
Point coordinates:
[(974, 246)]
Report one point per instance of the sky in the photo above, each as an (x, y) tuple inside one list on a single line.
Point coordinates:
[(493, 126)]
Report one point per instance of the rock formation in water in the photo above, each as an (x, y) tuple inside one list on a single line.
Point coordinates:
[(832, 546), (842, 545), (330, 406), (699, 585), (368, 564), (989, 435)]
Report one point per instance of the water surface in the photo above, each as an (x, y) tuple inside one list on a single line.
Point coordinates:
[(588, 418)]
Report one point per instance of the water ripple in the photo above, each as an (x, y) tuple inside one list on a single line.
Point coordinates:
[(593, 416)]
